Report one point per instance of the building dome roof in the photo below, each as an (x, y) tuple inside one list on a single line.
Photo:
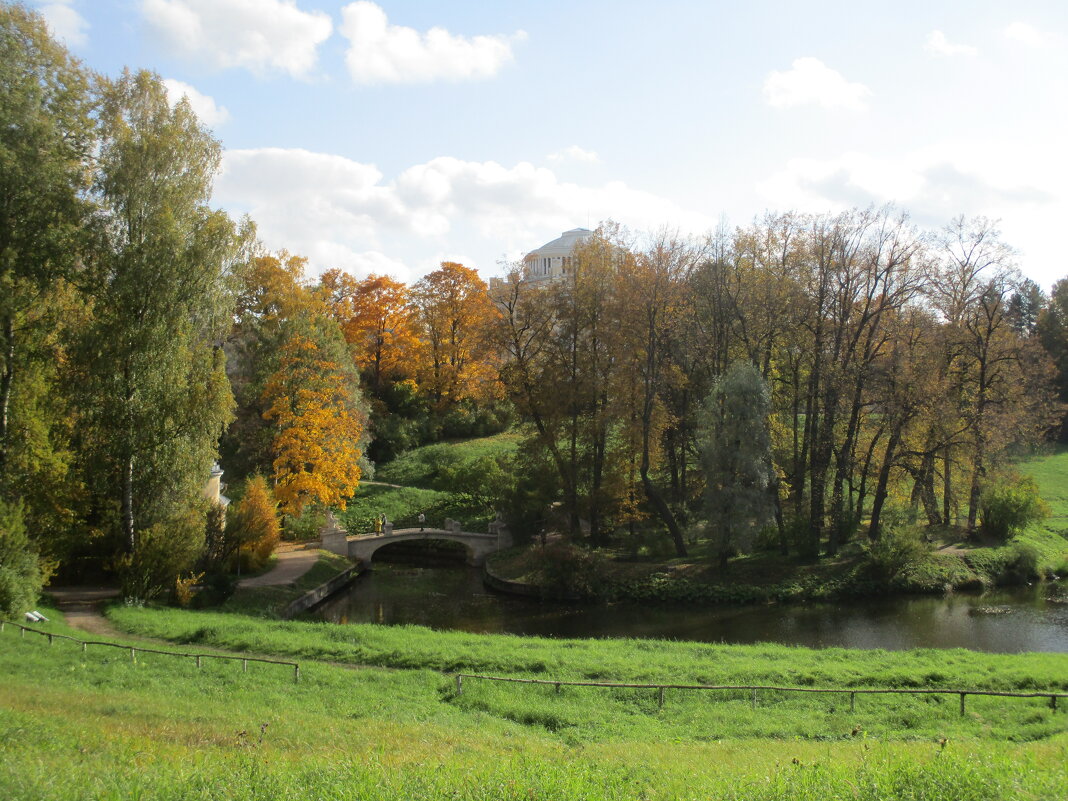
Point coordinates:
[(563, 245)]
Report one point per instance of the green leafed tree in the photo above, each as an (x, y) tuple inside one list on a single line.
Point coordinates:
[(46, 135), (20, 572), (156, 393), (737, 459)]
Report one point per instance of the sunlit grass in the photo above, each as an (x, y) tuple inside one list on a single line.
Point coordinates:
[(95, 726)]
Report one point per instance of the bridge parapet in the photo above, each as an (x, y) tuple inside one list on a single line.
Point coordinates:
[(478, 546)]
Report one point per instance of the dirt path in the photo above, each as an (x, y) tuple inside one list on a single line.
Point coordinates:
[(291, 566), (81, 608)]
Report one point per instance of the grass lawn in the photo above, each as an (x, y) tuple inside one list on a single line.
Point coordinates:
[(93, 725)]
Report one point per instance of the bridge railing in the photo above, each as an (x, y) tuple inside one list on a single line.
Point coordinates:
[(753, 689), (366, 525)]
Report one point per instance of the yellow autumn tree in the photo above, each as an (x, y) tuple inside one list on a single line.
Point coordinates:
[(253, 525), (314, 401), (456, 319)]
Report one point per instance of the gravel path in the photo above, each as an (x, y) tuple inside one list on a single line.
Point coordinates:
[(291, 566)]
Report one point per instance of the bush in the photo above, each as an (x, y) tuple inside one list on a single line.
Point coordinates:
[(896, 550), (304, 527), (1010, 506), (164, 551), (21, 577), (567, 568)]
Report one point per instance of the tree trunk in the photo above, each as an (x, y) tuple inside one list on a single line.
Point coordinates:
[(6, 382), (947, 486), (128, 530), (881, 484)]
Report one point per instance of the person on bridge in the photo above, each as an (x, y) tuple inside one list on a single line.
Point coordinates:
[(422, 520)]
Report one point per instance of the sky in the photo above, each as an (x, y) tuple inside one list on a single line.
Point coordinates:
[(386, 137)]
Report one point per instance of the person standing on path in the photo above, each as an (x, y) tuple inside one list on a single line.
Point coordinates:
[(422, 520)]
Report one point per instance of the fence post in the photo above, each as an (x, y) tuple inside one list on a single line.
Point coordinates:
[(557, 688), (296, 674), (23, 631), (1053, 702), (244, 666), (754, 698), (852, 702), (459, 684), (49, 639), (198, 661), (84, 646), (661, 699), (962, 703), (133, 655)]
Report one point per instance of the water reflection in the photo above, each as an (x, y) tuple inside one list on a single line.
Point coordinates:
[(1005, 621)]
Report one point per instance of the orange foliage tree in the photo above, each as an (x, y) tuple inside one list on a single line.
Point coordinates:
[(456, 317), (377, 321), (314, 401)]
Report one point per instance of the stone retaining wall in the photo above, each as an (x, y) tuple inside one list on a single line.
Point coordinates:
[(322, 592), (493, 581)]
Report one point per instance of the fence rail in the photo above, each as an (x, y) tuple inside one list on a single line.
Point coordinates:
[(852, 692), (136, 649)]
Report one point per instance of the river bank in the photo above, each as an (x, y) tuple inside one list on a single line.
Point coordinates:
[(561, 570)]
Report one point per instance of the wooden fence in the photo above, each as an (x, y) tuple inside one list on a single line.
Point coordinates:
[(136, 649), (753, 689)]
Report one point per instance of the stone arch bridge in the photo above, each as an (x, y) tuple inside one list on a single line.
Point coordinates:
[(478, 546)]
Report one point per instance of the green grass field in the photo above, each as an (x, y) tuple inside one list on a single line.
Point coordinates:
[(95, 726)]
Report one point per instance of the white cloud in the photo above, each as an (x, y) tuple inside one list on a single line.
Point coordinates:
[(997, 180), (938, 44), (65, 22), (939, 183), (383, 53), (259, 35), (810, 81), (204, 106), (343, 213), (575, 153), (1025, 34)]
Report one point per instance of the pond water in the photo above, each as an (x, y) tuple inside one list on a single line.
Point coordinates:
[(454, 597)]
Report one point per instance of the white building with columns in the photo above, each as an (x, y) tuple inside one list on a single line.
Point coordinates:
[(551, 262)]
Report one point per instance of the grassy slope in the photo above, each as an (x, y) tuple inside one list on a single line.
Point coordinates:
[(80, 726), (414, 472), (413, 469), (1048, 538)]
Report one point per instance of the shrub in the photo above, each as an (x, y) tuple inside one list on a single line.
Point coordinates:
[(21, 576), (1009, 506), (896, 550), (305, 526), (567, 568), (163, 552)]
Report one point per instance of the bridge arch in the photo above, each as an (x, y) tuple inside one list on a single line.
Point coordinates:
[(478, 546)]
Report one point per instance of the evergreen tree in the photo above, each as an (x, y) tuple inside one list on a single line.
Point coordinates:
[(737, 459)]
